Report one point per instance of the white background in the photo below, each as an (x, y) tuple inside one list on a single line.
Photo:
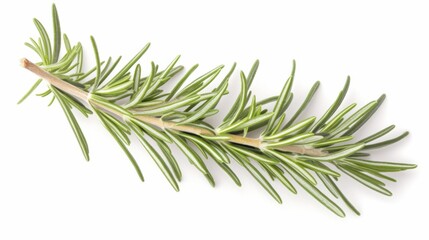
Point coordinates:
[(48, 190)]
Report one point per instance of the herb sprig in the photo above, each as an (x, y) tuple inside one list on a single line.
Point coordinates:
[(310, 153)]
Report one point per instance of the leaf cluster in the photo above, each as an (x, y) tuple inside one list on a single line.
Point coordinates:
[(122, 97)]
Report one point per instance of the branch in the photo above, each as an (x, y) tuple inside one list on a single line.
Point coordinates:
[(86, 97)]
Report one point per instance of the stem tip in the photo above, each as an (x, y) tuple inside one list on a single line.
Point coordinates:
[(24, 62)]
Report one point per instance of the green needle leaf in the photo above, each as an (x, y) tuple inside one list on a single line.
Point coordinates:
[(155, 156), (180, 82), (137, 77), (141, 92), (242, 98), (248, 83), (291, 129), (200, 82), (325, 180), (254, 155), (205, 147), (337, 155), (230, 173), (75, 103), (97, 61), (208, 106), (112, 123), (35, 47), (288, 141), (246, 123), (107, 71), (258, 104), (120, 143), (31, 90), (73, 123), (333, 141), (171, 160), (131, 63), (189, 152), (281, 101), (334, 122), (287, 161), (46, 42), (316, 193), (168, 107), (333, 188), (368, 170), (382, 166), (164, 77), (355, 117), (262, 180), (151, 131), (316, 168), (304, 105), (365, 180), (282, 178), (387, 142), (278, 124), (57, 34), (365, 118), (107, 104), (377, 134), (332, 108)]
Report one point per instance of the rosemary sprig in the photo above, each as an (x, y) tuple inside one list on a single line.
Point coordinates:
[(306, 151)]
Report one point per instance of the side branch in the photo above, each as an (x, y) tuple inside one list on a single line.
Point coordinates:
[(85, 96)]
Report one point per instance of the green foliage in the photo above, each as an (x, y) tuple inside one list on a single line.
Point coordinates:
[(289, 150)]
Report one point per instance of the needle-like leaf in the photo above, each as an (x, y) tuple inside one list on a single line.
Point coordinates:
[(230, 173), (365, 180), (181, 82), (246, 123), (120, 143), (262, 180), (156, 157), (387, 142), (287, 161), (382, 166), (292, 129), (354, 118), (128, 66), (332, 108), (254, 155), (316, 193), (333, 188), (189, 152), (289, 141), (30, 91), (73, 123), (46, 42), (281, 101), (208, 106), (333, 141), (304, 105), (170, 158), (337, 155), (365, 118), (377, 134), (57, 34), (97, 61), (281, 177), (339, 117)]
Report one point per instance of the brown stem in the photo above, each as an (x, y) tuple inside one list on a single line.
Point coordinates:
[(85, 96)]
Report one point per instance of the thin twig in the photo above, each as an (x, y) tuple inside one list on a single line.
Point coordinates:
[(85, 96)]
